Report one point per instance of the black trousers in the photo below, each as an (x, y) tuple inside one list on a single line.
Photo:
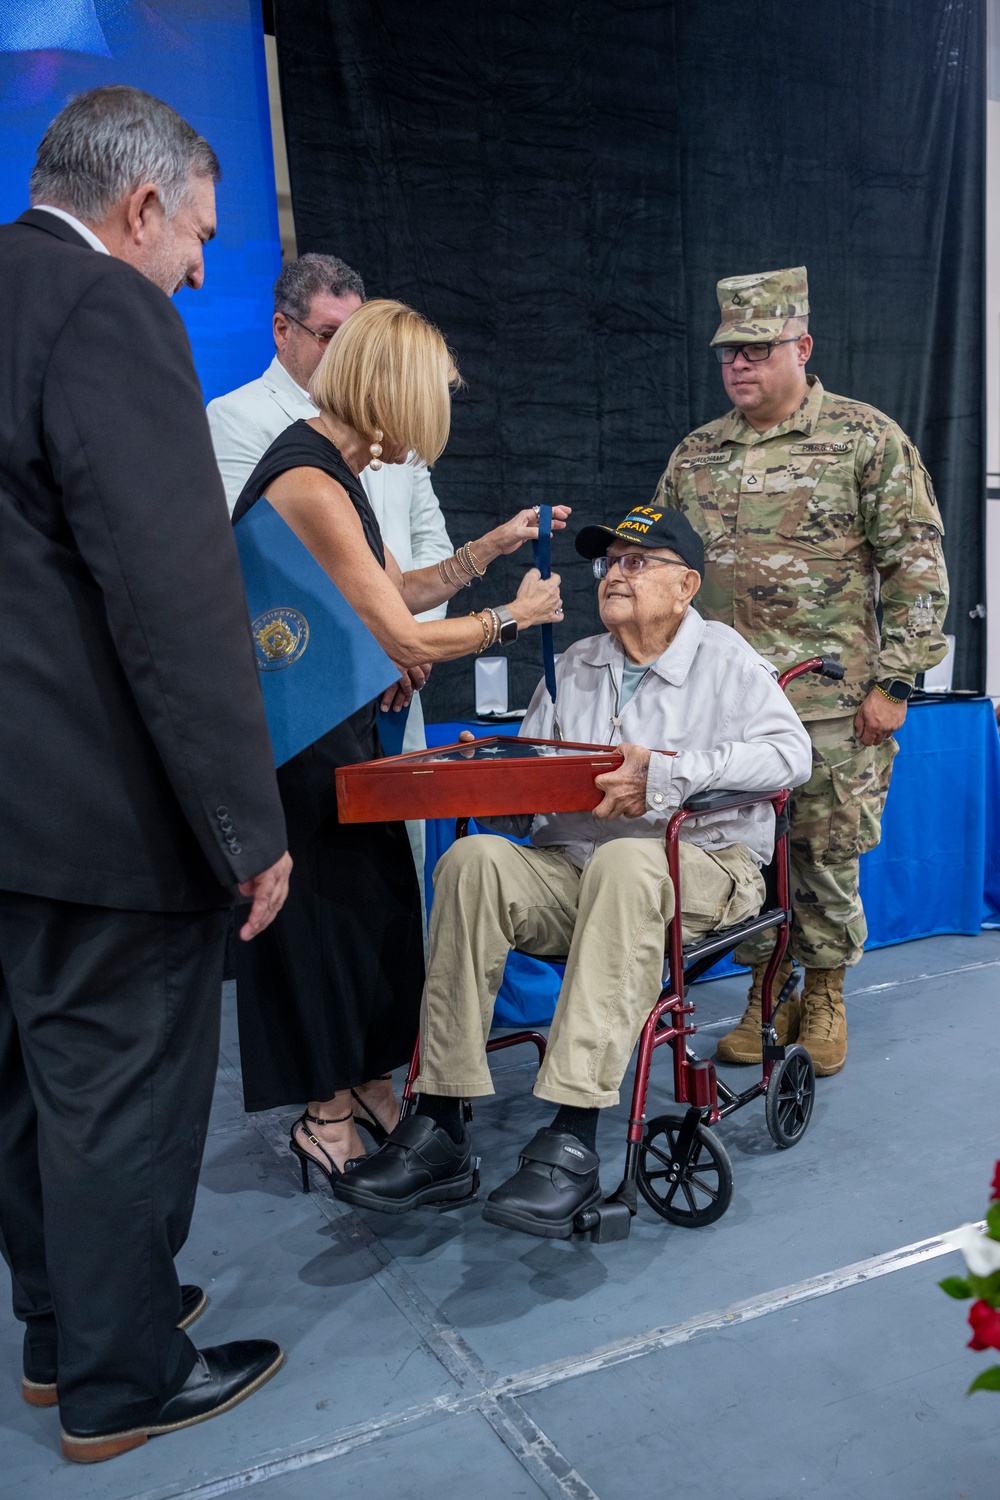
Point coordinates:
[(109, 1036)]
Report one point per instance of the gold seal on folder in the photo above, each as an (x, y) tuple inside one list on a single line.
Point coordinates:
[(280, 637)]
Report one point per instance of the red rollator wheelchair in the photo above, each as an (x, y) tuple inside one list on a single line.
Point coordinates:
[(676, 1161)]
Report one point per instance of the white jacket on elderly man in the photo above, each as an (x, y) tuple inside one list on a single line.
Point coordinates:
[(711, 701), (598, 889), (706, 714)]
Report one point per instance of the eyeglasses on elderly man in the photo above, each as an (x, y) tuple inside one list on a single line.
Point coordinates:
[(632, 563), (691, 707)]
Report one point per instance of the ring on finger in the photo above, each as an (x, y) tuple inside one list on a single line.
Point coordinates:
[(537, 509)]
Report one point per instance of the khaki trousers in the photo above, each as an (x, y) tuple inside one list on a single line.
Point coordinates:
[(611, 919), (835, 818)]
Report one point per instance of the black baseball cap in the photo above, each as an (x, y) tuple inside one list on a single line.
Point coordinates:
[(646, 527)]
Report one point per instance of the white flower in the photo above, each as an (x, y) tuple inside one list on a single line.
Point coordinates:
[(982, 1255)]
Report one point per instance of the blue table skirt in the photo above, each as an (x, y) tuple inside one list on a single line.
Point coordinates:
[(936, 870)]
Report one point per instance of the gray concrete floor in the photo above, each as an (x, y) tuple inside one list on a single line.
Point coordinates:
[(785, 1351)]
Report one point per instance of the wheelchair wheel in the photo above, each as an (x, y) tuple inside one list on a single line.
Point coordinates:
[(788, 1103), (702, 1192)]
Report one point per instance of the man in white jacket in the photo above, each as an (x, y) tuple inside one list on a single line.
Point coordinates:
[(693, 708), (312, 297)]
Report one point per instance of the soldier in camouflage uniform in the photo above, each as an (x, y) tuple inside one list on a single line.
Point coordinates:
[(813, 508)]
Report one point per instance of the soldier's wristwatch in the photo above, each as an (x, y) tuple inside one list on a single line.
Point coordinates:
[(894, 688)]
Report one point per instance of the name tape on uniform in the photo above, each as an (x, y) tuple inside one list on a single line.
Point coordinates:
[(697, 459)]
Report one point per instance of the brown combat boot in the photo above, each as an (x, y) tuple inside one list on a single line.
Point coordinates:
[(742, 1044), (823, 1028)]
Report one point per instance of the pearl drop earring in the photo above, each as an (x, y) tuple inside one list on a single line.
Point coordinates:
[(376, 450)]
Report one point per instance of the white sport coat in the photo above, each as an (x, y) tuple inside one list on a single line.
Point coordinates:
[(712, 700)]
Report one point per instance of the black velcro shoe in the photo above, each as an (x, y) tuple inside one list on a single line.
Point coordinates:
[(38, 1383), (556, 1178), (419, 1164), (222, 1377)]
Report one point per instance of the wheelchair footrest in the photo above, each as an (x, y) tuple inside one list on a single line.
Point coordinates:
[(608, 1221), (625, 1193)]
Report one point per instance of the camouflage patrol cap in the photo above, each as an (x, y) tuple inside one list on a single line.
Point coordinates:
[(756, 308)]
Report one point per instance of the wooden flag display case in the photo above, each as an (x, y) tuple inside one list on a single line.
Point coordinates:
[(481, 778)]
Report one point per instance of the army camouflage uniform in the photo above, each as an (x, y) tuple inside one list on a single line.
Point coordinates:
[(805, 526)]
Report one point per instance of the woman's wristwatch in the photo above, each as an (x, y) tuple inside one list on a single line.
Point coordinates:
[(894, 689), (508, 625)]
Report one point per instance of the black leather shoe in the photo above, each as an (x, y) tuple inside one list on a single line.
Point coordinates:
[(38, 1384), (39, 1363), (419, 1163), (557, 1177), (222, 1377), (193, 1304)]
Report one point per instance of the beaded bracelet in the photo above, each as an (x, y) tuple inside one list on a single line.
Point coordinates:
[(468, 560), (468, 566)]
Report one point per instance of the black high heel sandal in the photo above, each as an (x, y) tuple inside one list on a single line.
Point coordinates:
[(368, 1121), (333, 1171)]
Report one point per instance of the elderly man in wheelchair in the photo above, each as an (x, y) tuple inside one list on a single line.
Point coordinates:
[(692, 707)]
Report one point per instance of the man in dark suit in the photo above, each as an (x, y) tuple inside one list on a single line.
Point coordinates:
[(137, 790)]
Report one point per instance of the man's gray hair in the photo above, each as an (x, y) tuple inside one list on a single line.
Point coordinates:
[(301, 280), (109, 141)]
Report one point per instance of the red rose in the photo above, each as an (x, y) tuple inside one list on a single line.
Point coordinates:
[(995, 1185), (984, 1321)]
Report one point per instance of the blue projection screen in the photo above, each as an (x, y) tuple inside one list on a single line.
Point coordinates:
[(204, 57)]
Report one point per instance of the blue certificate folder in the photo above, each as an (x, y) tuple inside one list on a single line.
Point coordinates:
[(318, 661)]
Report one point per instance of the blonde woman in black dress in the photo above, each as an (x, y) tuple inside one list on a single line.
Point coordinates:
[(329, 996)]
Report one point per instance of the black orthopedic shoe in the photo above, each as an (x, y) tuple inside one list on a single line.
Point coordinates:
[(556, 1178), (221, 1378), (419, 1163), (38, 1384)]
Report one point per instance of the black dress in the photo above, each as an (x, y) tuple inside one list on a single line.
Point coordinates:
[(328, 995)]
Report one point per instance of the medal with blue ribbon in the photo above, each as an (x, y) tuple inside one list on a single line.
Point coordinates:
[(542, 551)]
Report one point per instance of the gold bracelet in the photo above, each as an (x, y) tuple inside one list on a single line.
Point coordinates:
[(487, 629), (880, 689), (448, 578), (468, 559)]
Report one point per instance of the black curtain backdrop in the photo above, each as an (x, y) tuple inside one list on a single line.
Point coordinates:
[(559, 186)]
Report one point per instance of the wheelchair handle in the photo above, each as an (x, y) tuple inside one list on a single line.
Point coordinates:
[(826, 666)]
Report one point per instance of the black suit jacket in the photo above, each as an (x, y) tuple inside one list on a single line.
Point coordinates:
[(135, 765)]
